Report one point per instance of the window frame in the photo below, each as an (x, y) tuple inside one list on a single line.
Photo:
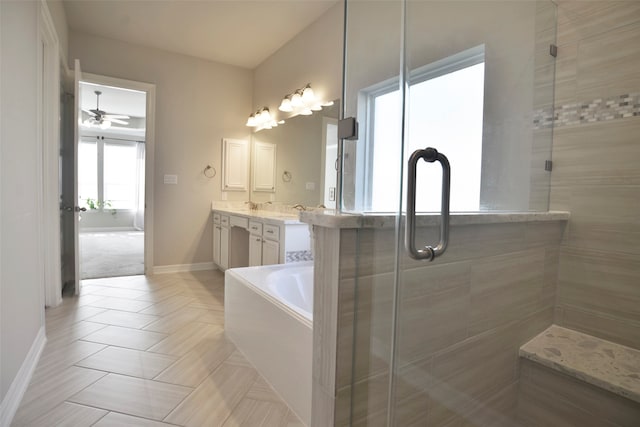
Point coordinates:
[(367, 97)]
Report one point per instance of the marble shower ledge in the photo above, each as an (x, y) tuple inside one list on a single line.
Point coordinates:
[(331, 219), (604, 364)]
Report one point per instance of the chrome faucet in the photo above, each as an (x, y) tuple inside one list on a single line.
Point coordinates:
[(252, 206), (299, 207)]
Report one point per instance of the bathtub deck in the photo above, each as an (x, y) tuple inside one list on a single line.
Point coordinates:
[(601, 363)]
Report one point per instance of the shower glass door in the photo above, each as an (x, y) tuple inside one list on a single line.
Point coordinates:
[(430, 343)]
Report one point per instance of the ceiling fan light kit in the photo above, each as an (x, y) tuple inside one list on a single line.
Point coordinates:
[(101, 119)]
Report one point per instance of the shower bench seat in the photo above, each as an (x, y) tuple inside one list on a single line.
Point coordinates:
[(571, 378)]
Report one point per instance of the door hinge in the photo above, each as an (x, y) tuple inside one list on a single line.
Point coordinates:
[(553, 50), (348, 128), (548, 165)]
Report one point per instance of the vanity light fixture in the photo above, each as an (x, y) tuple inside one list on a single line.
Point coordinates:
[(262, 119), (302, 102)]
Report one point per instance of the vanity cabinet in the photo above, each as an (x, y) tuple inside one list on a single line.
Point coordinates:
[(264, 167), (242, 239), (221, 240), (264, 244)]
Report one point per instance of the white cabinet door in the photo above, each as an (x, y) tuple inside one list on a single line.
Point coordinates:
[(264, 167), (270, 252), (216, 244), (255, 250), (235, 164), (224, 248)]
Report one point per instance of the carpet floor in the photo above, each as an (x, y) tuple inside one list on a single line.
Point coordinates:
[(111, 254)]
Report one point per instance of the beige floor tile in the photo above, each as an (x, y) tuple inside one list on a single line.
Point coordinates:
[(58, 357), (214, 400), (69, 415), (44, 396), (209, 304), (258, 413), (183, 340), (125, 361), (174, 321), (123, 304), (126, 337), (261, 390), (134, 396), (168, 305), (114, 419), (107, 291), (197, 364), (70, 314), (76, 331), (158, 295), (124, 318)]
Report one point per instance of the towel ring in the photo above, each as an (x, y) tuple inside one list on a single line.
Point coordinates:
[(209, 171), (286, 176)]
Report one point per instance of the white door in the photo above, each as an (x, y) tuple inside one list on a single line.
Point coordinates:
[(76, 207)]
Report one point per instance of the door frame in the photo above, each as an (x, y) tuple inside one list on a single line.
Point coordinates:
[(150, 90), (49, 147)]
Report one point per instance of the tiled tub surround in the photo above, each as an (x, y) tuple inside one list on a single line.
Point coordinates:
[(268, 317), (464, 317)]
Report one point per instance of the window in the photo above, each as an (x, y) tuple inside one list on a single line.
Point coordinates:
[(108, 173), (445, 111)]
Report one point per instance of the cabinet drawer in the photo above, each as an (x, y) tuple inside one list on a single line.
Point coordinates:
[(255, 228), (216, 218), (271, 232), (238, 221), (224, 220)]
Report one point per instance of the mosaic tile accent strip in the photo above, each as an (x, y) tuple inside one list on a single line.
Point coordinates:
[(295, 256), (597, 110)]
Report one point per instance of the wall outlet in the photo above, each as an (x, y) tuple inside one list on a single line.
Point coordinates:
[(171, 179), (311, 185), (332, 194)]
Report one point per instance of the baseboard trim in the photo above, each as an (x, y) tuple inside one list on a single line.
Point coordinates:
[(18, 387), (179, 268)]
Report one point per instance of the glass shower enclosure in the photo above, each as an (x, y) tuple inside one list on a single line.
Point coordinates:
[(432, 342)]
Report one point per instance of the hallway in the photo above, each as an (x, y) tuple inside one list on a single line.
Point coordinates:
[(147, 351)]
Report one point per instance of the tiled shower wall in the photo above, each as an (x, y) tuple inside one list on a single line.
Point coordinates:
[(596, 168), (463, 320)]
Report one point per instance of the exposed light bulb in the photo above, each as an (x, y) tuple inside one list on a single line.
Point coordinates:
[(251, 121), (306, 112)]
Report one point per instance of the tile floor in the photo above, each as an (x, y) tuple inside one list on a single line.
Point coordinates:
[(147, 351)]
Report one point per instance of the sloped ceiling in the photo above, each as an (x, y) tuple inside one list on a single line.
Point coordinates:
[(235, 32)]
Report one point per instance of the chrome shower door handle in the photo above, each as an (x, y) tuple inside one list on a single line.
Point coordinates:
[(429, 155)]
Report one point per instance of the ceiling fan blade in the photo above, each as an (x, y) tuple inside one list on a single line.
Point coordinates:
[(116, 116), (121, 122), (87, 111)]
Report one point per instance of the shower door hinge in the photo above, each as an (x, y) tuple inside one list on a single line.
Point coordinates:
[(348, 128), (548, 165), (553, 50)]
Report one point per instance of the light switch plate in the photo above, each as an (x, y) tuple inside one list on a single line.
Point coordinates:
[(171, 179)]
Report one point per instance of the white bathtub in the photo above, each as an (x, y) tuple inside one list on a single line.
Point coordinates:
[(268, 316)]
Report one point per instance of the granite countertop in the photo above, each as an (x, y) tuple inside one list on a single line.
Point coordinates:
[(264, 215), (607, 365), (332, 219)]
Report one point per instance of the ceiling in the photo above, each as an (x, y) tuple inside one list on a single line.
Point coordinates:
[(236, 32), (114, 100)]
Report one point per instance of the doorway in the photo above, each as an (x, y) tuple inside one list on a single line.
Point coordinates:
[(111, 193), (106, 181)]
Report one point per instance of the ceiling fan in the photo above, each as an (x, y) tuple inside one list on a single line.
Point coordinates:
[(100, 118)]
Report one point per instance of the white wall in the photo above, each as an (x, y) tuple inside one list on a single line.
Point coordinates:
[(56, 9), (313, 56), (21, 272), (198, 103)]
